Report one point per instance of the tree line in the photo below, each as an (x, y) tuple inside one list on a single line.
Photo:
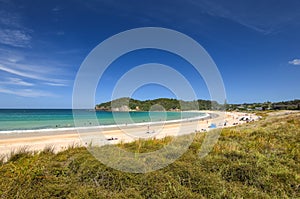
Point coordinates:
[(169, 104), (159, 104)]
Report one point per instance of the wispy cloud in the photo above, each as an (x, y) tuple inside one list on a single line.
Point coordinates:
[(295, 62), (54, 84), (31, 75), (265, 17), (15, 38), (60, 33), (25, 69), (57, 9), (16, 82), (8, 19), (17, 70), (27, 92), (31, 61), (12, 31)]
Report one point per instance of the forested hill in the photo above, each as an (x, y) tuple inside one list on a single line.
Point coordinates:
[(127, 104), (156, 105)]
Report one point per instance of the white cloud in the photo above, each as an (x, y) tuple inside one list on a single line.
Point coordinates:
[(16, 64), (12, 31), (54, 84), (27, 92), (16, 81), (30, 75), (295, 62), (56, 9), (10, 56), (18, 71), (15, 38), (60, 33), (10, 19), (263, 17)]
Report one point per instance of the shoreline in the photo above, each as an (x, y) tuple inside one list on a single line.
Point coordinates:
[(63, 138), (95, 127), (99, 127)]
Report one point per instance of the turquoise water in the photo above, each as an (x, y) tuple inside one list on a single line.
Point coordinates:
[(31, 119)]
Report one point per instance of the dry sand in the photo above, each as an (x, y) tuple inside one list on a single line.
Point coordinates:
[(60, 140)]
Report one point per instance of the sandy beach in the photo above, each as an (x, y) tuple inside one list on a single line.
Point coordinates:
[(62, 139)]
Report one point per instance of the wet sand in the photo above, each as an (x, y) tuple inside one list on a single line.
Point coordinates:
[(62, 139)]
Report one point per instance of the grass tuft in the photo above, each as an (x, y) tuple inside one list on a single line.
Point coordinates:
[(256, 160), (19, 153)]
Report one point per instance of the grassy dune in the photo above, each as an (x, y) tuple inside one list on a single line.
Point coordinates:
[(255, 160)]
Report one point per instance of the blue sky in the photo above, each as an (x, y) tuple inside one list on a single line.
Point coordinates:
[(255, 45)]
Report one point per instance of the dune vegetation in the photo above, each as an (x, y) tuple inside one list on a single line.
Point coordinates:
[(254, 160)]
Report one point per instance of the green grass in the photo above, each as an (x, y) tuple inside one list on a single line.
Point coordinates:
[(255, 160)]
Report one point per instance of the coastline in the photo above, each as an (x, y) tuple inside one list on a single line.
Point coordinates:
[(100, 127), (66, 119), (61, 139)]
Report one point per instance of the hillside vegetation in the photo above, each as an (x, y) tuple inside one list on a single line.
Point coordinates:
[(166, 103), (255, 160), (174, 104)]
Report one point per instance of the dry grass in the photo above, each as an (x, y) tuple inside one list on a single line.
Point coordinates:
[(256, 160)]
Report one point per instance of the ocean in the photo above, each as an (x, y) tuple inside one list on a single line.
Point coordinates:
[(15, 120)]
